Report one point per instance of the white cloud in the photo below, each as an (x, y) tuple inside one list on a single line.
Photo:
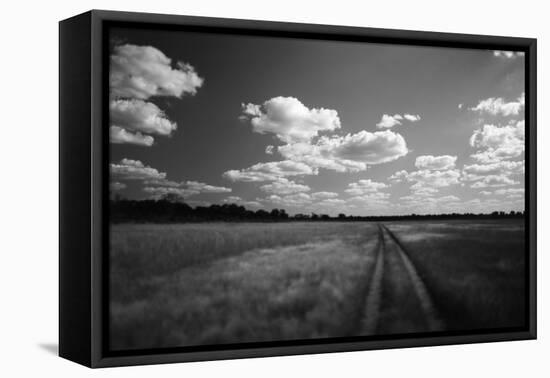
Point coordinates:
[(499, 106), (205, 188), (427, 178), (460, 106), (116, 186), (284, 186), (370, 201), (292, 200), (128, 169), (442, 162), (412, 117), (270, 171), (349, 153), (508, 54), (161, 191), (498, 142), (363, 187), (331, 202), (474, 171), (425, 191), (289, 119), (485, 193), (239, 201), (144, 71), (511, 192), (389, 121), (191, 186), (269, 150), (324, 195), (493, 181), (160, 188), (140, 116), (118, 135), (429, 201)]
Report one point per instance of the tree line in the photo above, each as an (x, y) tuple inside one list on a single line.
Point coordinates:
[(166, 211)]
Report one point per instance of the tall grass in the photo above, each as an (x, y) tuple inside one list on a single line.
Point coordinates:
[(179, 285), (475, 270)]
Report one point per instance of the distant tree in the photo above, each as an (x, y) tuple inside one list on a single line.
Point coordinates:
[(262, 214), (314, 216), (325, 217), (341, 216), (172, 197)]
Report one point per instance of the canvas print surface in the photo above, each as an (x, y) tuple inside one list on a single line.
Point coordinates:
[(270, 189)]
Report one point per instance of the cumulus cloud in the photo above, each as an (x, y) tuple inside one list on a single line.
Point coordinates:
[(137, 73), (118, 135), (412, 117), (140, 116), (158, 192), (194, 187), (116, 186), (270, 171), (493, 181), (269, 150), (475, 171), (283, 186), (349, 153), (498, 142), (292, 200), (428, 178), (289, 119), (510, 192), (508, 54), (324, 195), (389, 121), (363, 187), (424, 191), (239, 201), (144, 71), (427, 204), (205, 188), (331, 202), (430, 162), (369, 201), (128, 169), (499, 106)]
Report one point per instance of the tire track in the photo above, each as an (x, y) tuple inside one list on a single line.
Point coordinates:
[(373, 302), (397, 301)]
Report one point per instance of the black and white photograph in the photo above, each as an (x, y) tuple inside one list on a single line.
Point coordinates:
[(267, 189)]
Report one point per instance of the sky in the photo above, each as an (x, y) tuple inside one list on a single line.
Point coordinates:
[(315, 126)]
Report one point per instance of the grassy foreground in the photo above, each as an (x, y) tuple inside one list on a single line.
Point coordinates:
[(193, 284), (211, 283), (475, 269)]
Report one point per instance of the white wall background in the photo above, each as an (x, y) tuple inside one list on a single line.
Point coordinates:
[(28, 166)]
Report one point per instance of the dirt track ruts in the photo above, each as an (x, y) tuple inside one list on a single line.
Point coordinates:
[(397, 300)]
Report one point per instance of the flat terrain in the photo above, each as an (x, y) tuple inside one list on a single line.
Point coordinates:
[(200, 284)]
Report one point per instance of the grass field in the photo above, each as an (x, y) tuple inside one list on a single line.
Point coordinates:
[(200, 284), (476, 271)]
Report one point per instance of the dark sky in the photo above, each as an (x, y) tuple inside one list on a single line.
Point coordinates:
[(362, 82)]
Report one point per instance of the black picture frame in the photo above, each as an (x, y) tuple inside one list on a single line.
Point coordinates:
[(83, 164)]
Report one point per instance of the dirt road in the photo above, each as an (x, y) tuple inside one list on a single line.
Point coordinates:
[(397, 301)]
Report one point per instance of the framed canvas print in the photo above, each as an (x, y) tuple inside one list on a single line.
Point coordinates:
[(234, 188)]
